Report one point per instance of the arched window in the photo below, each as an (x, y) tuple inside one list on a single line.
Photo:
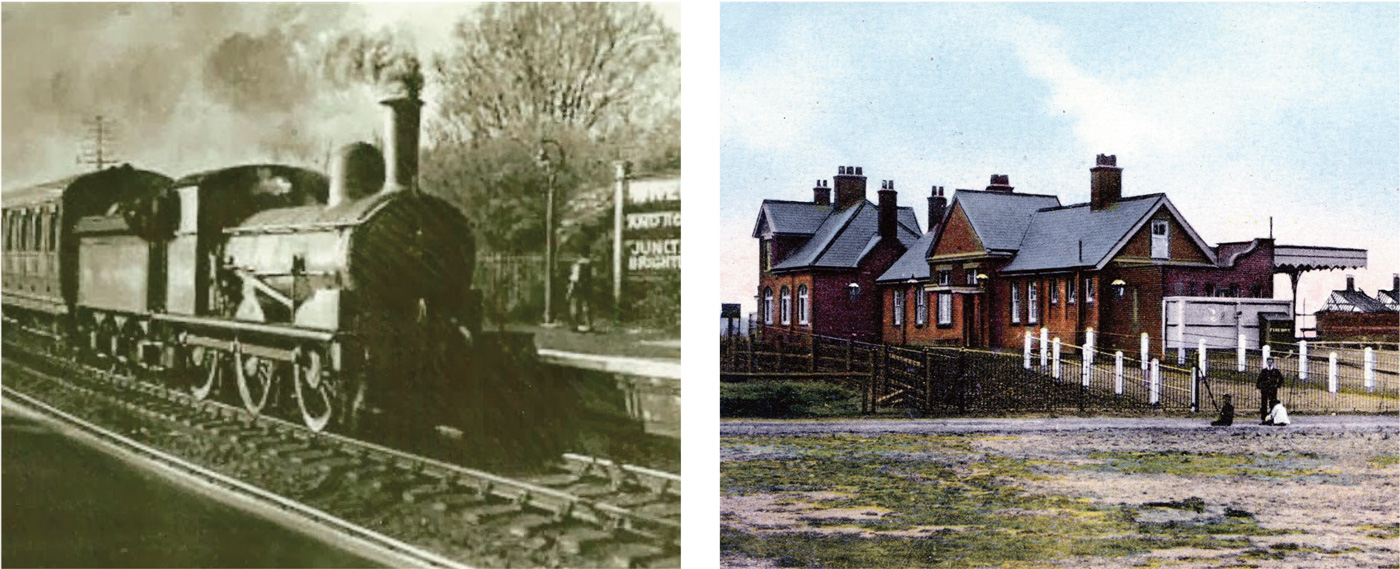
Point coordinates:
[(785, 304), (768, 306), (920, 307), (803, 308)]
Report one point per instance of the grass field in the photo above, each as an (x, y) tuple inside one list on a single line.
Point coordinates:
[(1176, 496)]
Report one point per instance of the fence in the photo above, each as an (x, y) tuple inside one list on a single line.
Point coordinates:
[(1047, 375)]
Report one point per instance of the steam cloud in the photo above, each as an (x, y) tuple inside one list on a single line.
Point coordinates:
[(191, 86)]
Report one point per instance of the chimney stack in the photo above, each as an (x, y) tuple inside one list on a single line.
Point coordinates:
[(401, 139), (821, 194), (850, 186), (1395, 282), (1106, 182), (1001, 183), (1351, 283), (937, 205), (889, 211)]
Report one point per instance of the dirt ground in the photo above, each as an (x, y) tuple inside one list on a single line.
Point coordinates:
[(1324, 492)]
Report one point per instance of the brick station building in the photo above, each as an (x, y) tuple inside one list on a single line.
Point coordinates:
[(819, 259), (1002, 263)]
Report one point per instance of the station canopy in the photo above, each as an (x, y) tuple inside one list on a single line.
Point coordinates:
[(1293, 259)]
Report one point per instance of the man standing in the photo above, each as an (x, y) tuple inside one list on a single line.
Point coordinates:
[(578, 294), (1269, 381)]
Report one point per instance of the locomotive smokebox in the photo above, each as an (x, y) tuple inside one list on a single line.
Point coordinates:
[(401, 117)]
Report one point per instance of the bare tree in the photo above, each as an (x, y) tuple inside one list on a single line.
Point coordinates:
[(526, 70)]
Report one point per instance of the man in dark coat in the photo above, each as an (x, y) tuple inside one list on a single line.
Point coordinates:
[(1227, 414), (1269, 381)]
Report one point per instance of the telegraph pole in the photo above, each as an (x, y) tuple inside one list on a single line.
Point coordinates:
[(101, 136)]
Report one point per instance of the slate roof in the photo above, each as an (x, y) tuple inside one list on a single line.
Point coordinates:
[(1362, 301), (1391, 296), (1000, 219), (1052, 239), (790, 217), (913, 264), (844, 237)]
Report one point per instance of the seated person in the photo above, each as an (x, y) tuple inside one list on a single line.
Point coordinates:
[(1278, 416), (1227, 414)]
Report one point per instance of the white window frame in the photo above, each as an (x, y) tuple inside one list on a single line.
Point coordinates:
[(920, 308), (1088, 291), (768, 306), (803, 305), (1032, 303), (945, 309), (1164, 237), (1015, 303), (945, 277), (785, 305), (897, 306), (1054, 292), (1071, 291), (972, 276)]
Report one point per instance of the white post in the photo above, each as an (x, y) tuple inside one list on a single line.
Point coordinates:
[(1145, 346), (1154, 391), (1264, 359), (1370, 370), (1118, 373), (1239, 352), (1056, 371), (1201, 355), (1086, 364), (1044, 347), (1180, 332), (1332, 373), (1089, 339), (1195, 379), (1027, 351), (1303, 360)]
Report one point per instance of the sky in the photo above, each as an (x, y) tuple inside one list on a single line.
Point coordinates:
[(1238, 112), (213, 87)]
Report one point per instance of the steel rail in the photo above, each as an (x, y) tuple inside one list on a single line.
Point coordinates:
[(548, 499), (396, 550)]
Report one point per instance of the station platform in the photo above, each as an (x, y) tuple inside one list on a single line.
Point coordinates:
[(69, 501)]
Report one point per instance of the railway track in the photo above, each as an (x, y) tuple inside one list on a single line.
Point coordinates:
[(582, 511)]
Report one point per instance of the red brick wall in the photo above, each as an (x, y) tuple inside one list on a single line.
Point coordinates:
[(833, 312), (792, 281), (1356, 326), (958, 236), (1122, 321), (1253, 269), (1179, 246)]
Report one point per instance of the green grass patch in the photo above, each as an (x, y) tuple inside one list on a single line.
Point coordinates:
[(1384, 461), (1387, 531), (787, 400)]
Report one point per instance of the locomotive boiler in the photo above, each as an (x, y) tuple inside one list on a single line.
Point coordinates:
[(344, 298)]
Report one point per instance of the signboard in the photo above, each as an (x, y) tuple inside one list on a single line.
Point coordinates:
[(652, 228), (1217, 320)]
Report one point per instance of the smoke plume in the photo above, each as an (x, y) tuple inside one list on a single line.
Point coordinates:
[(190, 86)]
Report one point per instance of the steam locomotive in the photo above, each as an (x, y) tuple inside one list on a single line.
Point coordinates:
[(327, 296)]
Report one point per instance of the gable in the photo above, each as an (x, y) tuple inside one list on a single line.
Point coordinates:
[(1180, 248), (957, 237)]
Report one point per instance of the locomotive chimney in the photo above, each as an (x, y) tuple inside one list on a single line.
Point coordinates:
[(402, 109)]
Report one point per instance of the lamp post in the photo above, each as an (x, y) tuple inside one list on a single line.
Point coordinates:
[(545, 161)]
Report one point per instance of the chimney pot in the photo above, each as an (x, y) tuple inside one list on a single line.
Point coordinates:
[(1351, 283), (1000, 183), (1105, 182), (888, 214), (858, 171), (937, 206)]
